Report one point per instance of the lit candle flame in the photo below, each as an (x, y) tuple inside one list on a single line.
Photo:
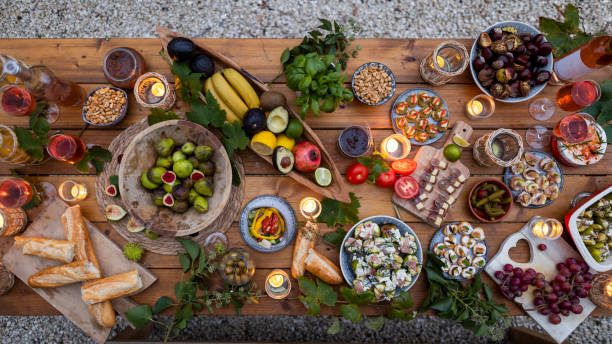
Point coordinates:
[(392, 146), (1, 220), (158, 89), (440, 61), (310, 207), (476, 107), (276, 281), (609, 289)]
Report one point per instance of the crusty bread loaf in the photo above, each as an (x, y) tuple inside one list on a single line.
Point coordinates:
[(306, 239), (57, 276), (318, 265), (60, 250), (111, 287)]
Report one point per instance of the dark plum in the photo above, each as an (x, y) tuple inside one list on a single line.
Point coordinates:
[(524, 75), (496, 33), (479, 63), (545, 48), (537, 39), (526, 37), (542, 77), (532, 48), (541, 61)]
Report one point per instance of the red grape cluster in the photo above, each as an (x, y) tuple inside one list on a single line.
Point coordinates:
[(553, 298)]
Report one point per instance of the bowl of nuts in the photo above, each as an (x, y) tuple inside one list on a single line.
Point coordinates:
[(105, 106), (511, 61), (373, 83)]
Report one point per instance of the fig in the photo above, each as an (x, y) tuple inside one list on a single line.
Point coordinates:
[(180, 206), (532, 48), (487, 53), (207, 167), (200, 204), (202, 152), (188, 147), (168, 178), (168, 200), (164, 146), (479, 63), (196, 175), (496, 33), (541, 61), (203, 187), (192, 195), (542, 77), (522, 60), (524, 88), (537, 39), (545, 48), (526, 38), (499, 47), (487, 73), (201, 63), (181, 49), (158, 197), (155, 174), (484, 40), (146, 182), (178, 156), (520, 50), (510, 29), (133, 226), (111, 190), (168, 187), (182, 168), (193, 161), (180, 192), (524, 74), (164, 162), (114, 212)]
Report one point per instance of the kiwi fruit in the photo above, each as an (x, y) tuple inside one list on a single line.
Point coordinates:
[(272, 99)]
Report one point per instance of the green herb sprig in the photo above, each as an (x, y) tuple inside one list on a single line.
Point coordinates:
[(472, 306), (33, 142), (200, 265), (376, 165)]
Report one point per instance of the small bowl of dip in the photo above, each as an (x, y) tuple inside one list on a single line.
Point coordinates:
[(122, 66), (355, 141)]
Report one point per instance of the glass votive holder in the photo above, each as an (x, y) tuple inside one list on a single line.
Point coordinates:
[(601, 290), (310, 208), (278, 285), (12, 221), (395, 147), (481, 106), (152, 90), (448, 60), (71, 191), (549, 229)]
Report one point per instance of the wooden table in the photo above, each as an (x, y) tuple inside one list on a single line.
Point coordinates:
[(80, 60)]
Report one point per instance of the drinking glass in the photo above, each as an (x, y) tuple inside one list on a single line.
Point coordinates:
[(71, 191), (541, 109), (578, 95), (537, 137), (479, 107), (66, 148), (16, 101), (575, 128), (15, 193)]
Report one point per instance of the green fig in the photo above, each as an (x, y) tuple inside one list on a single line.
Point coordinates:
[(203, 187), (200, 204), (164, 147), (180, 206), (193, 161), (180, 192), (155, 174), (207, 167), (151, 235), (178, 156), (188, 147), (146, 182), (202, 152), (182, 168), (158, 197), (192, 195), (165, 162), (168, 187)]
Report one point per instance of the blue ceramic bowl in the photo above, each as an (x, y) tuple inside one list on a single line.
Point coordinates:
[(285, 210), (345, 257), (386, 69), (118, 119), (521, 28)]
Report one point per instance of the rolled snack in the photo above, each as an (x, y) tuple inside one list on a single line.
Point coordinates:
[(76, 231), (57, 276), (306, 239), (60, 250), (318, 265), (111, 287)]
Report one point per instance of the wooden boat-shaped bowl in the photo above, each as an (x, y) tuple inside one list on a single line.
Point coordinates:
[(337, 189)]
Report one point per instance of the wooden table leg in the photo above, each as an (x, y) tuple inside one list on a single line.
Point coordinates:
[(524, 335), (133, 335)]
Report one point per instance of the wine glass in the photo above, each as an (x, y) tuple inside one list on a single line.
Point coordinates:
[(537, 136), (51, 112), (541, 109)]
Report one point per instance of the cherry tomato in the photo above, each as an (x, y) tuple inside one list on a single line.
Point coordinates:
[(357, 173), (406, 187), (386, 179), (404, 167)]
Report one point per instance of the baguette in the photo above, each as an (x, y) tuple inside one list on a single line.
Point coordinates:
[(76, 231), (57, 276), (306, 240), (318, 265), (111, 287), (60, 250)]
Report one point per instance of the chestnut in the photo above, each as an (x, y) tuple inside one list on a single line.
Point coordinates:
[(484, 40), (542, 77), (479, 63), (499, 91), (526, 38), (510, 29), (518, 67), (520, 50), (485, 74), (513, 89), (512, 42), (541, 61), (532, 48), (545, 48), (510, 57), (522, 60), (537, 39), (487, 53), (500, 62), (500, 47), (524, 74), (487, 83), (524, 88), (505, 75), (496, 33)]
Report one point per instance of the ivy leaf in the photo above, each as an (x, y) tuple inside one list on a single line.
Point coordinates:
[(375, 323), (139, 316), (206, 113), (326, 294), (308, 286), (185, 262), (481, 330), (572, 20), (190, 246), (32, 145), (362, 299), (334, 328), (338, 213), (158, 115), (95, 155), (335, 238), (234, 138), (312, 305), (285, 56), (188, 85), (402, 301), (184, 315), (350, 312), (38, 123), (395, 313), (162, 304)]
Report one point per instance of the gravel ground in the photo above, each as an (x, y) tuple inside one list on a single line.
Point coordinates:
[(277, 19)]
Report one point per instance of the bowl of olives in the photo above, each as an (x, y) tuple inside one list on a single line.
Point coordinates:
[(511, 61), (237, 267)]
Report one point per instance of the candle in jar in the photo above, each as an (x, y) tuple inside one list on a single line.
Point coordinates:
[(609, 289), (71, 191), (310, 207), (278, 285), (475, 107), (395, 147), (440, 61), (158, 89), (481, 106), (547, 229), (152, 90), (276, 281)]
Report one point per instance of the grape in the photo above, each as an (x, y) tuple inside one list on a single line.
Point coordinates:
[(518, 293), (508, 268), (555, 308), (571, 260), (565, 304), (524, 287), (576, 309), (552, 298), (587, 276), (515, 281), (539, 284), (556, 288), (560, 278), (541, 247), (583, 266), (504, 288), (514, 288), (579, 279), (566, 286), (540, 276), (526, 279), (530, 272), (518, 272), (586, 285), (538, 301), (554, 319), (581, 293), (564, 272), (560, 266), (510, 295), (548, 289), (574, 268), (499, 275), (544, 311), (574, 300), (565, 312), (537, 293)]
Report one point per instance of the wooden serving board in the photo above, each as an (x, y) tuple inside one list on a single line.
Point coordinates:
[(337, 189), (67, 299), (422, 158), (557, 251)]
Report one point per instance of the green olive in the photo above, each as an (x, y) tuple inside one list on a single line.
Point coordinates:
[(241, 264), (229, 270)]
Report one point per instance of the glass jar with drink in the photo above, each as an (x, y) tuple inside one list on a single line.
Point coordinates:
[(578, 95), (66, 148), (15, 193)]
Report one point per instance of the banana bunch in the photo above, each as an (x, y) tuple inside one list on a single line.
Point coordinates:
[(233, 92)]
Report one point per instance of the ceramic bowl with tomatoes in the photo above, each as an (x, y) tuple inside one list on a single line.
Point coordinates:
[(477, 193), (267, 223)]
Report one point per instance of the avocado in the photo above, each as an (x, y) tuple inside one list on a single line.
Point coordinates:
[(283, 159), (181, 49), (254, 121), (201, 63)]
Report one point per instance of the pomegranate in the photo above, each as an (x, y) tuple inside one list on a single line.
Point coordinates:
[(307, 157)]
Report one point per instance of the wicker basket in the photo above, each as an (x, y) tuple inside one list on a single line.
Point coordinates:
[(433, 73), (598, 293), (12, 153), (508, 142)]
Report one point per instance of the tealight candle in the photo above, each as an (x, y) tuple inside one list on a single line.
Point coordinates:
[(550, 229), (395, 147), (153, 90), (481, 106), (609, 289), (601, 289), (448, 60), (310, 207), (278, 284), (71, 191), (12, 221)]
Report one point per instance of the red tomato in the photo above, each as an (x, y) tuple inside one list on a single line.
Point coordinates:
[(386, 179), (404, 167), (406, 187), (357, 173)]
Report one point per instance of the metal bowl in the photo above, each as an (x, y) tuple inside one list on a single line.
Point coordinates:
[(521, 28), (118, 119), (284, 209), (387, 70)]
